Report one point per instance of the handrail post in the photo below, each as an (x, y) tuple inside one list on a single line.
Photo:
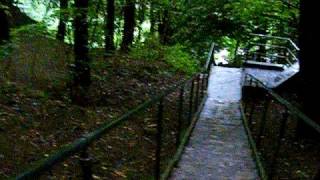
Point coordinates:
[(85, 163), (252, 109), (263, 120), (207, 80), (202, 86), (284, 121), (191, 101), (159, 139), (180, 115), (196, 103)]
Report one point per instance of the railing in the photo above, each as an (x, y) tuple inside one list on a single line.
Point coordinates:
[(210, 59), (272, 50), (272, 125), (176, 109)]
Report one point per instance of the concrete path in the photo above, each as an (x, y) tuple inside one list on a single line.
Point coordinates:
[(218, 148)]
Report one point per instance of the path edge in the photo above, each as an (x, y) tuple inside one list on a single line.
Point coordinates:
[(176, 158), (254, 150)]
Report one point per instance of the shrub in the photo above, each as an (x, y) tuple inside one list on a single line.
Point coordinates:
[(175, 56), (180, 60), (149, 50)]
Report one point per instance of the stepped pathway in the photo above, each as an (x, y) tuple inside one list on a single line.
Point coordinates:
[(218, 147)]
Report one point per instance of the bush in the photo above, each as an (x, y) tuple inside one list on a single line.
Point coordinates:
[(34, 60), (175, 56), (180, 60), (149, 50)]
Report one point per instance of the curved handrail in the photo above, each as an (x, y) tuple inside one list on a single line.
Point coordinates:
[(278, 37), (292, 55), (279, 47)]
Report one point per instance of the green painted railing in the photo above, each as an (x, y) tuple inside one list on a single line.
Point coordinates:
[(259, 118), (197, 86)]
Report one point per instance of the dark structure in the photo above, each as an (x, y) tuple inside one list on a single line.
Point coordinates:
[(309, 60)]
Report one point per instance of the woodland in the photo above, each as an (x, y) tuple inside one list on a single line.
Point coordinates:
[(69, 66)]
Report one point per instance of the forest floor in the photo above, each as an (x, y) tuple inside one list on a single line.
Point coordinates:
[(37, 116)]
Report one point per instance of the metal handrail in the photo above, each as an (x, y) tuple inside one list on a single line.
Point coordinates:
[(279, 47), (287, 104), (278, 37), (81, 144), (210, 59), (292, 58), (256, 143)]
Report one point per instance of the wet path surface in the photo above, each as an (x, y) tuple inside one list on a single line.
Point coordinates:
[(218, 147)]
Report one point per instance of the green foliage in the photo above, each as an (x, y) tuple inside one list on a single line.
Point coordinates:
[(179, 59), (6, 49), (176, 56), (32, 30), (33, 59), (149, 50)]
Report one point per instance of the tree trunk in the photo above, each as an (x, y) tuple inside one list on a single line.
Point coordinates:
[(4, 30), (163, 28), (109, 44), (141, 18), (152, 18), (309, 39), (129, 23), (82, 79), (62, 21)]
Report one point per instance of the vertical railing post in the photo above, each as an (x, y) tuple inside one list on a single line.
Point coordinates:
[(208, 76), (196, 103), (202, 85), (251, 82), (159, 139), (86, 166), (180, 116), (263, 120), (191, 101), (282, 132), (253, 106)]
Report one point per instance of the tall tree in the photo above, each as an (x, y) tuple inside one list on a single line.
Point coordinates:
[(62, 21), (82, 79), (152, 16), (141, 18), (4, 30), (166, 21), (164, 26), (109, 31), (129, 24), (309, 39)]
